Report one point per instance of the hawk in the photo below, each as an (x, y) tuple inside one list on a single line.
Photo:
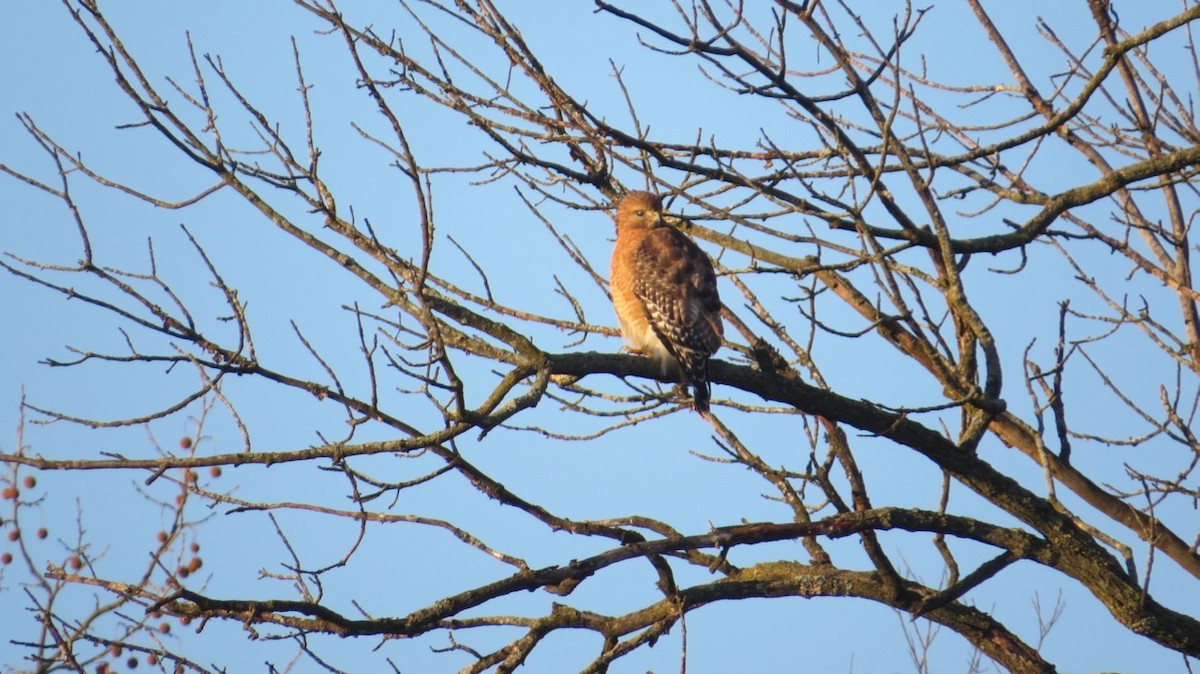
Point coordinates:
[(665, 293)]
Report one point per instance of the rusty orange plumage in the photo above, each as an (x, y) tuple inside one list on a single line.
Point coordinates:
[(665, 293)]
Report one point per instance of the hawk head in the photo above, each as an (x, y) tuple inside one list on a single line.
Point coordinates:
[(639, 210)]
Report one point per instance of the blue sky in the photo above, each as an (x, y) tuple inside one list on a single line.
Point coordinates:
[(48, 70)]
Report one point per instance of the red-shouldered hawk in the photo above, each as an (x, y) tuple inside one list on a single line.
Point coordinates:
[(665, 293)]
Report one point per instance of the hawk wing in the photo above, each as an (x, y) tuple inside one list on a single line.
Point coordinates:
[(676, 284)]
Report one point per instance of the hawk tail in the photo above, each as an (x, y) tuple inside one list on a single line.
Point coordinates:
[(702, 392), (695, 372)]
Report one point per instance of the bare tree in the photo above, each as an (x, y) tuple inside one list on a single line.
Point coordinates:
[(844, 218)]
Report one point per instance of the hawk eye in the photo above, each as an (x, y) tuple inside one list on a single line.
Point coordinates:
[(640, 212)]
